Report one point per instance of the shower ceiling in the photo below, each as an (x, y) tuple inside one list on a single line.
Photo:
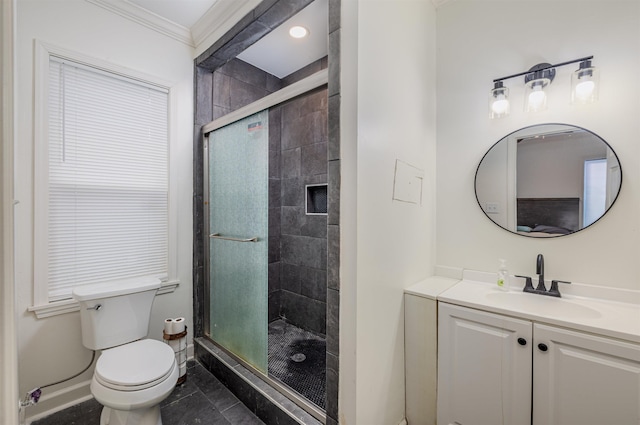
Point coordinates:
[(277, 53), (280, 54)]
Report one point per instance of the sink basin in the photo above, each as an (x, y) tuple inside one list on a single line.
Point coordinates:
[(542, 304)]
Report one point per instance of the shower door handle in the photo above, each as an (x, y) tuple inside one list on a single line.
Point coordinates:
[(226, 238)]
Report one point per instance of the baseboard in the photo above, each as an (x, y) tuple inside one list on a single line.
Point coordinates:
[(190, 351), (59, 400)]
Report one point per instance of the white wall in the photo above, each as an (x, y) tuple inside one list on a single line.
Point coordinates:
[(388, 51), (50, 349), (481, 40), (8, 332)]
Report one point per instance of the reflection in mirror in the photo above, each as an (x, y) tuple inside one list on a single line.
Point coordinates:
[(548, 180)]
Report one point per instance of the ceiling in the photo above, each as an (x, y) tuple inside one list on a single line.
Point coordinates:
[(277, 53), (182, 12)]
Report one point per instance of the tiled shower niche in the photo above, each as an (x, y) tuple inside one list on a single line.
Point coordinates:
[(317, 199)]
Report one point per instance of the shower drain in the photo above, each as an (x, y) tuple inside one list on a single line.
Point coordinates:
[(298, 357)]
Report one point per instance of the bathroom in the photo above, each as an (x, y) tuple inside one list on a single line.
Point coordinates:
[(405, 87)]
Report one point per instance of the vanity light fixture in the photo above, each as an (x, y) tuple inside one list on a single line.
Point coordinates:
[(584, 87)]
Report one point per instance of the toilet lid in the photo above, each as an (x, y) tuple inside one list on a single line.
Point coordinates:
[(135, 366)]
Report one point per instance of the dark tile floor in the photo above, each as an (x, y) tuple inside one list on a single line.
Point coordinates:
[(201, 400)]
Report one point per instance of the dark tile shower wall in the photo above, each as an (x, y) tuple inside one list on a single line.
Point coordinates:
[(333, 219), (237, 84), (275, 215), (303, 238)]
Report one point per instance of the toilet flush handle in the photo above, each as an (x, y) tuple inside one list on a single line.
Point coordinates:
[(96, 307)]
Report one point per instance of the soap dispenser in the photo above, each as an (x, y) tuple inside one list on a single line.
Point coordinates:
[(503, 275)]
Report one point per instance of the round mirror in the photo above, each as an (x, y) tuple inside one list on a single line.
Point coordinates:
[(548, 180)]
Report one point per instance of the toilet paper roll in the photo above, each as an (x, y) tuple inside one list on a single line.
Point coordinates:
[(178, 325), (181, 358), (175, 345), (168, 326), (183, 343)]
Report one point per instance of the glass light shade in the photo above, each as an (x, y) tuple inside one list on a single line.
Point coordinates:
[(499, 101), (584, 84), (535, 96)]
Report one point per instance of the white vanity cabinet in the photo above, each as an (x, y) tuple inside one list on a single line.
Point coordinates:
[(495, 369)]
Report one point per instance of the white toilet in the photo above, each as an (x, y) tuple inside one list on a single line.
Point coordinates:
[(133, 375)]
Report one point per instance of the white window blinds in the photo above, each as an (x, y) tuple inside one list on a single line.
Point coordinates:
[(107, 178)]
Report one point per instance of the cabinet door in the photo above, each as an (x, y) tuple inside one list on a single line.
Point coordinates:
[(484, 371), (582, 379)]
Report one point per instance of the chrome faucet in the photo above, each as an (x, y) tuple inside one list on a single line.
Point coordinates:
[(541, 289)]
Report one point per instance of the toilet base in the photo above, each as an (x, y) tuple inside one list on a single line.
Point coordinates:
[(145, 416)]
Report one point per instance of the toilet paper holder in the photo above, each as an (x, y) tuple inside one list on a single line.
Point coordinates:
[(178, 342)]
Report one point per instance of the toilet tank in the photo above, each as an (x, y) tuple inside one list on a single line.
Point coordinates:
[(116, 312)]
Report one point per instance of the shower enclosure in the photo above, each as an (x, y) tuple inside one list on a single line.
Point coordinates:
[(266, 230), (303, 248)]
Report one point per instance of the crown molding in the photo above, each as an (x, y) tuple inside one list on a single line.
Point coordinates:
[(148, 19), (219, 19)]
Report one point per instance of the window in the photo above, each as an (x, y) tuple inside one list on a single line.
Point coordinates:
[(595, 190), (102, 179)]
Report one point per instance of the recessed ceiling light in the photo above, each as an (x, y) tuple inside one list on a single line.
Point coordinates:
[(298, 32)]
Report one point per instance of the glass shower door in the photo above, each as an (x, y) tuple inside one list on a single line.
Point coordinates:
[(238, 237)]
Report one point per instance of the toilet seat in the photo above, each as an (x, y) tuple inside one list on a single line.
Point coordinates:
[(135, 366)]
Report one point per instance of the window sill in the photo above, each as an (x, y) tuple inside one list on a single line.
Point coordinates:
[(69, 306)]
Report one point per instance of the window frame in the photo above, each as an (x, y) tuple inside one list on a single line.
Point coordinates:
[(43, 51)]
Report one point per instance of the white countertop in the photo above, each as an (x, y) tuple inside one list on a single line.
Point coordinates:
[(599, 316), (431, 287)]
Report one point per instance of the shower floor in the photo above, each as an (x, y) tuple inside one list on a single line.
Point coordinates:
[(297, 359)]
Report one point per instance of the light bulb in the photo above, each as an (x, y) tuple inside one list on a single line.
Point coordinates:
[(537, 98), (500, 106), (584, 90)]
